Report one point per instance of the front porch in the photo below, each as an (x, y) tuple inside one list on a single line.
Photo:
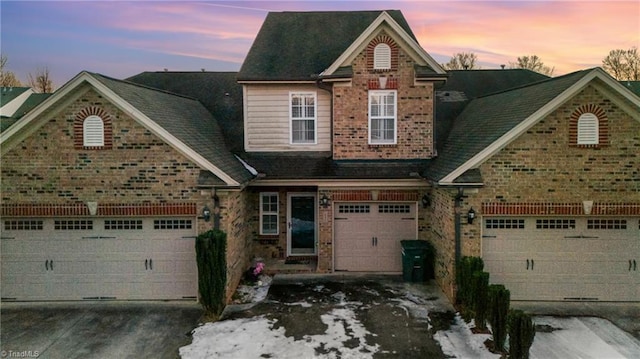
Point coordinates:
[(291, 265)]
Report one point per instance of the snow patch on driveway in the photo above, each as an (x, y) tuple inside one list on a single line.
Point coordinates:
[(345, 337), (582, 337)]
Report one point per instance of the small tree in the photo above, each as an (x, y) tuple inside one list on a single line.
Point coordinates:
[(480, 298), (499, 298), (533, 63), (41, 81), (522, 331), (623, 64), (462, 61), (464, 280), (7, 78), (211, 253)]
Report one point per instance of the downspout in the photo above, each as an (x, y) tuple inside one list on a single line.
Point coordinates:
[(458, 228), (216, 210), (329, 89)]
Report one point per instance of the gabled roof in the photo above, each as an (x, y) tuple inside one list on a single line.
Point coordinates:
[(180, 121), (31, 102), (299, 46), (487, 124), (219, 92), (8, 94), (462, 86), (634, 86), (11, 98)]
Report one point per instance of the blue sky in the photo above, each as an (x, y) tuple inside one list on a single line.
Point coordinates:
[(123, 38)]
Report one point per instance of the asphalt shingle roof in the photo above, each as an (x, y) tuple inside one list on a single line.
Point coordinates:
[(462, 86), (219, 92), (487, 118), (634, 86), (185, 118), (7, 94), (320, 165), (300, 45)]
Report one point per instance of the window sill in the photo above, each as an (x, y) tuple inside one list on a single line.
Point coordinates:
[(383, 145)]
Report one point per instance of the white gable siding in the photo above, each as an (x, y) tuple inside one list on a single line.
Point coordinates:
[(267, 118)]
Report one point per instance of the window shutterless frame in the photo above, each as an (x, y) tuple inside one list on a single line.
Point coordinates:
[(303, 118), (269, 213), (383, 120)]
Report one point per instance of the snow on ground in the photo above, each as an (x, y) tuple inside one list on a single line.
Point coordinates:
[(256, 337), (460, 342), (565, 338), (582, 337), (562, 338)]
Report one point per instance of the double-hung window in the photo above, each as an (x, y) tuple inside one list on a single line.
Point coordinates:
[(269, 213), (303, 117), (382, 117)]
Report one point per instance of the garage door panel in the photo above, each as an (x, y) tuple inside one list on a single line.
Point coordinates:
[(368, 235), (583, 259), (64, 260)]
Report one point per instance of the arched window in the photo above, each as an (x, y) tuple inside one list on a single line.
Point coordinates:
[(588, 129), (382, 57), (93, 131)]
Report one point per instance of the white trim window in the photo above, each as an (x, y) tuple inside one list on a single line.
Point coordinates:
[(269, 213), (382, 57), (382, 117), (93, 131), (302, 111), (588, 129)]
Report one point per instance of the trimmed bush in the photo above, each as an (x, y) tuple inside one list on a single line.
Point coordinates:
[(211, 253), (522, 331), (480, 298), (464, 280), (499, 298)]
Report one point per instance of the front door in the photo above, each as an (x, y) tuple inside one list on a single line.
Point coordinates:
[(301, 224)]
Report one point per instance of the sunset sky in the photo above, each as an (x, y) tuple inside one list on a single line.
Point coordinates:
[(123, 38)]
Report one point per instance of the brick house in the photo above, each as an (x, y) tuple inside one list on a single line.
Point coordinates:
[(328, 147)]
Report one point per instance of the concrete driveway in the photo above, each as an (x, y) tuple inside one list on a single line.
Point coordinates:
[(349, 316), (97, 329)]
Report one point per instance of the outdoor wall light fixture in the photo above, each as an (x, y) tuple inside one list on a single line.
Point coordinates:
[(324, 201), (206, 213), (471, 215), (426, 201)]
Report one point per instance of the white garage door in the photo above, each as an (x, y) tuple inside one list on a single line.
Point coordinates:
[(564, 258), (98, 258), (367, 235)]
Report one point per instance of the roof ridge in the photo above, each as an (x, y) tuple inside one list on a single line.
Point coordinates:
[(332, 11), (535, 83), (185, 72), (143, 86)]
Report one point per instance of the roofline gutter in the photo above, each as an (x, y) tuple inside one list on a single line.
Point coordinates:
[(312, 80), (329, 182), (329, 89)]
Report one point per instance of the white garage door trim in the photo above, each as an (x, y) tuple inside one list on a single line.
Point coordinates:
[(569, 258), (367, 235), (99, 258)]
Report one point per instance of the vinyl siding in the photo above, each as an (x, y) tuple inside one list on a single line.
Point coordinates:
[(267, 122)]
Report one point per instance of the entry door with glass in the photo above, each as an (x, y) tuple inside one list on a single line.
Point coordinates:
[(301, 224)]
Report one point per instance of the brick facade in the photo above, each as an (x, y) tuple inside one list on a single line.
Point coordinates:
[(326, 215), (543, 173), (234, 211), (272, 246), (414, 110), (49, 174)]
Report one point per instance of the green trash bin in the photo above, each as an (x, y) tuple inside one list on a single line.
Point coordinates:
[(417, 260)]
